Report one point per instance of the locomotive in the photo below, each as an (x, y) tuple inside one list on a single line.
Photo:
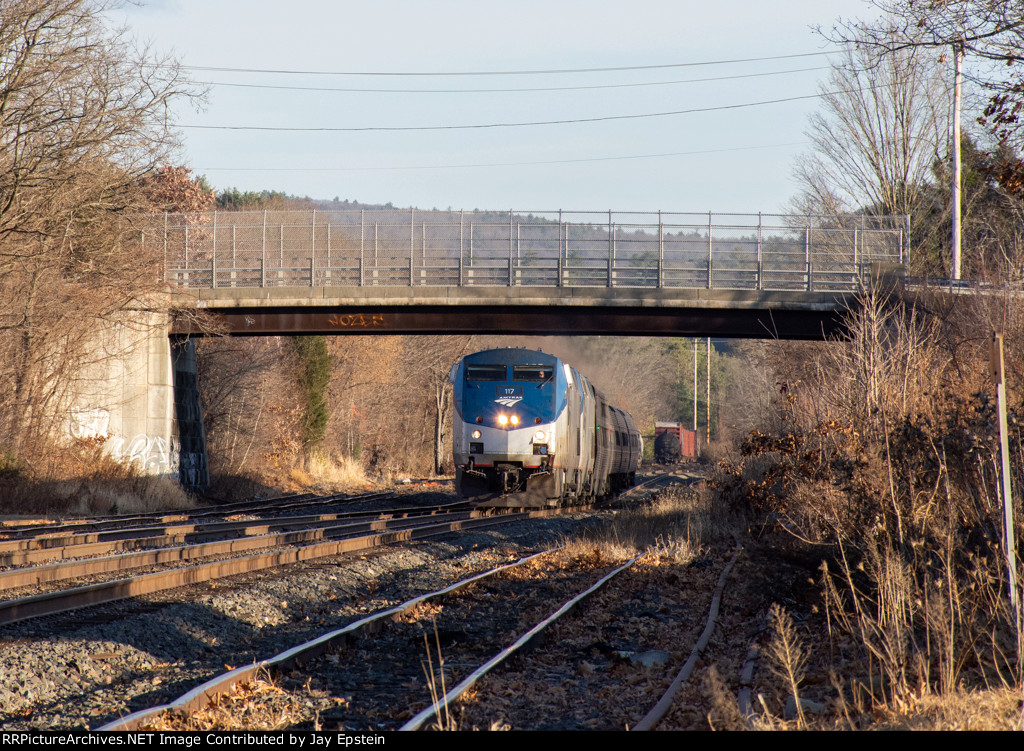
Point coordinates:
[(530, 430)]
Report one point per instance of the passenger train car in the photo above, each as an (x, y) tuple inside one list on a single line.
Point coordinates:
[(530, 430)]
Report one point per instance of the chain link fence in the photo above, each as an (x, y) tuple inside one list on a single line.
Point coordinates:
[(408, 247)]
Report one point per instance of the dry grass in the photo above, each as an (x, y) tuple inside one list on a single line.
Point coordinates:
[(254, 705), (724, 713), (138, 495), (83, 480), (674, 525), (994, 709), (788, 657), (337, 470), (437, 684), (113, 487), (325, 471), (300, 478)]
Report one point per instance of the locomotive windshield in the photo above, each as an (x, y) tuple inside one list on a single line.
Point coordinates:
[(506, 383), (532, 373), (486, 372)]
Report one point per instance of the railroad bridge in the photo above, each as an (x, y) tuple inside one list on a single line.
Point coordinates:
[(420, 272)]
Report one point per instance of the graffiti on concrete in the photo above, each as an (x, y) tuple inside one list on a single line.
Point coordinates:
[(153, 454), (89, 423), (192, 469)]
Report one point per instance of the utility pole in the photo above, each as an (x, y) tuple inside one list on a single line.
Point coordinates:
[(695, 391), (958, 57), (708, 404), (997, 371)]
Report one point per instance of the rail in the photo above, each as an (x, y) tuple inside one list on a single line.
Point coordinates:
[(400, 248)]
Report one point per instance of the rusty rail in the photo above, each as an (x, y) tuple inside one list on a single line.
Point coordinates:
[(12, 611), (417, 722), (256, 536)]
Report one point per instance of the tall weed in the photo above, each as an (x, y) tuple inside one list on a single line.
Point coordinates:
[(890, 455)]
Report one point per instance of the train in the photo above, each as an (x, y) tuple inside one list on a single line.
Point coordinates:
[(531, 431)]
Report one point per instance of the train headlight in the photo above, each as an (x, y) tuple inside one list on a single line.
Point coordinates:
[(514, 420), (502, 420), (540, 436), (476, 433)]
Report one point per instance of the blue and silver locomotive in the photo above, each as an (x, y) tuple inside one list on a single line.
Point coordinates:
[(529, 430)]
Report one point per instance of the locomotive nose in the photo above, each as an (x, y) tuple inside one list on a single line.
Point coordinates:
[(505, 442), (496, 442)]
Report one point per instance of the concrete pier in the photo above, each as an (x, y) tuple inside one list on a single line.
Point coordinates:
[(125, 398)]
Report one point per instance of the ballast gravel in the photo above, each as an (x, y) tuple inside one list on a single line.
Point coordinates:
[(87, 668)]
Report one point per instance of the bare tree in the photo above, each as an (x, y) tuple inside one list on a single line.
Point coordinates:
[(83, 116), (989, 29), (991, 32), (251, 407), (429, 360), (883, 123)]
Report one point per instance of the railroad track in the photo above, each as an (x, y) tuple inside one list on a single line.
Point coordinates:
[(230, 558), (204, 546), (394, 654), (51, 534), (21, 553), (386, 674), (81, 555), (299, 614), (342, 682)]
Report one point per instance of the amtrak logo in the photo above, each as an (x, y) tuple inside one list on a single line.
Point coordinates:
[(508, 401)]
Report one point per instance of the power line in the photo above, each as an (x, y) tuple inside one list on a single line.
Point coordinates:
[(496, 72), (497, 164), (506, 90), (483, 126)]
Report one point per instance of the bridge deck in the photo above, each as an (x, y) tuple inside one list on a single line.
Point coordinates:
[(740, 314), (486, 272)]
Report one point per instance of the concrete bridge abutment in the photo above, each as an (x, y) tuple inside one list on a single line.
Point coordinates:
[(138, 397)]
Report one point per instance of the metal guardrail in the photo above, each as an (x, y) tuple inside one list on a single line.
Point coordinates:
[(392, 247)]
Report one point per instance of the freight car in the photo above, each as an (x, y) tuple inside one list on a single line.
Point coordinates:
[(673, 442), (530, 430)]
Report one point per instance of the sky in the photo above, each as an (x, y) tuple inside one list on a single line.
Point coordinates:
[(658, 137)]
